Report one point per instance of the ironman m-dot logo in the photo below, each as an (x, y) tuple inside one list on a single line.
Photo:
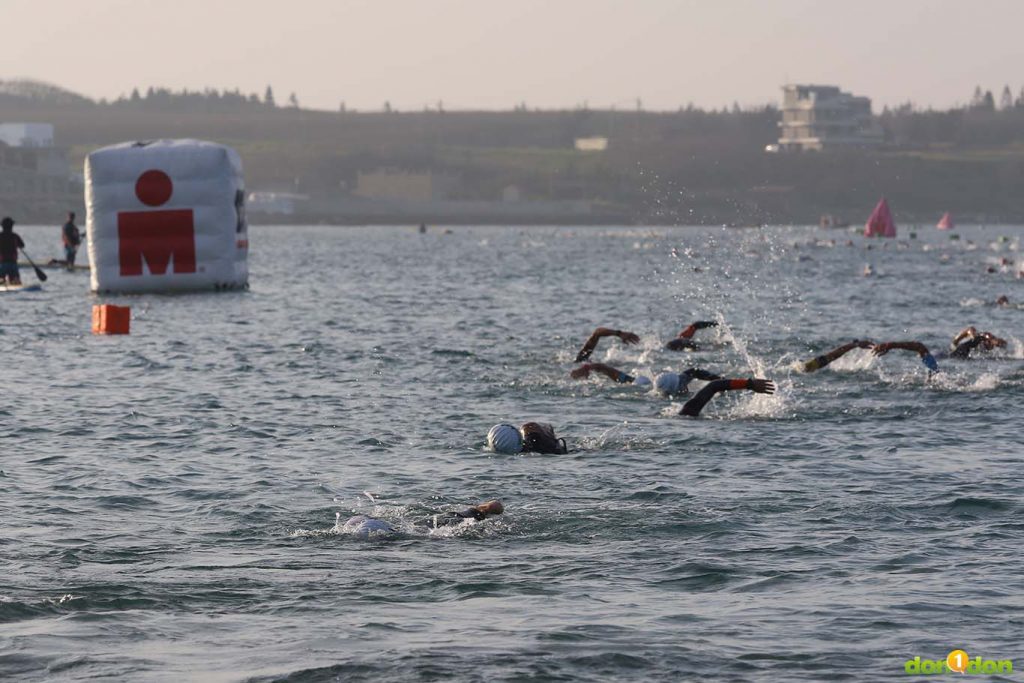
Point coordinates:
[(159, 237)]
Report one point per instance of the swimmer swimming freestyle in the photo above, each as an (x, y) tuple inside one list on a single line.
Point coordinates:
[(835, 354), (969, 341), (364, 526), (684, 341), (538, 438), (532, 437), (666, 383), (917, 347)]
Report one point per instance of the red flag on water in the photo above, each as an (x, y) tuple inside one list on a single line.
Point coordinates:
[(946, 222), (880, 223)]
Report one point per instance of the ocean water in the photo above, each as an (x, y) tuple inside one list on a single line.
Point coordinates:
[(169, 498)]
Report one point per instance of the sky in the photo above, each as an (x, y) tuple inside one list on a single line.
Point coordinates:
[(548, 54)]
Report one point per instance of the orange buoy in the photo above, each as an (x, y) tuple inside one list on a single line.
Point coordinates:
[(110, 319)]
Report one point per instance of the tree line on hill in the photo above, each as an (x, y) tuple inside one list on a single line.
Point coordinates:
[(690, 165)]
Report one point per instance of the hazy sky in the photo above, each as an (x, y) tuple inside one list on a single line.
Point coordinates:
[(486, 54)]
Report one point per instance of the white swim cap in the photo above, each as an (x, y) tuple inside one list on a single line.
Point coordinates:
[(667, 383), (642, 382), (505, 438), (361, 525)]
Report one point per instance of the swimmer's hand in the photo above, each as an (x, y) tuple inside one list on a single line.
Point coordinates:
[(762, 386), (491, 507), (581, 372), (629, 337)]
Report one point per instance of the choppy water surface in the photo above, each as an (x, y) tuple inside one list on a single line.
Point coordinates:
[(169, 498)]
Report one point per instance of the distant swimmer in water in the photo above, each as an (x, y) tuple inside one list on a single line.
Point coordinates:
[(682, 342), (917, 347), (836, 353), (361, 525), (969, 340), (667, 383), (1003, 301), (478, 512), (674, 385), (599, 334), (532, 437)]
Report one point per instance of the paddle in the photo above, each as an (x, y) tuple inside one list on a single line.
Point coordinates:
[(39, 273)]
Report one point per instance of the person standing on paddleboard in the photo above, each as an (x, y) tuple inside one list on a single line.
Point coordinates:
[(71, 238), (10, 243)]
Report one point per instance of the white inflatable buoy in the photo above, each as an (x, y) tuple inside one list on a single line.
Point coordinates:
[(166, 215)]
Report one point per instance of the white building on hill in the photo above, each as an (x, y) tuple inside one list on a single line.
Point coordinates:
[(816, 117)]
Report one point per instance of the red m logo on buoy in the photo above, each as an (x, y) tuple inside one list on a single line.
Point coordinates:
[(156, 236)]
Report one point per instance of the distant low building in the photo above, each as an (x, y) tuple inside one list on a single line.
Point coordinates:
[(26, 134), (594, 144), (817, 117), (35, 175), (274, 203), (404, 185)]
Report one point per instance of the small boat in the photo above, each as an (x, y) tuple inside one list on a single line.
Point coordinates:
[(6, 288), (880, 223), (946, 222)]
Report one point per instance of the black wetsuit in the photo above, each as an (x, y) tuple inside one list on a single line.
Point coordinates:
[(539, 438), (455, 517), (684, 342), (963, 350), (697, 403)]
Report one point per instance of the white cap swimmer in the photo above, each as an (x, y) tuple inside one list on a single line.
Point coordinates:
[(642, 382), (364, 526), (667, 383), (505, 438)]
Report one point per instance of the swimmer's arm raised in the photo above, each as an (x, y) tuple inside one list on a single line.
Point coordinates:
[(697, 403), (702, 375), (697, 325), (824, 359), (885, 347), (598, 334), (969, 332), (608, 371)]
